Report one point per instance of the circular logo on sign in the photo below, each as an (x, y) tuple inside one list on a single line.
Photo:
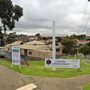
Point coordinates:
[(48, 61)]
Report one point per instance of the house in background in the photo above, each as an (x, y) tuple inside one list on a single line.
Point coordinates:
[(82, 42), (8, 48), (39, 49), (34, 49), (59, 49), (2, 53)]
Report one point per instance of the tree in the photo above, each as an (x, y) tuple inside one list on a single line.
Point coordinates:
[(84, 49), (59, 39), (80, 37), (38, 36), (88, 44), (9, 14), (69, 46), (1, 37)]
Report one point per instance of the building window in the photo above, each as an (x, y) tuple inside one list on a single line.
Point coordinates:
[(30, 53), (58, 50), (56, 44), (21, 43)]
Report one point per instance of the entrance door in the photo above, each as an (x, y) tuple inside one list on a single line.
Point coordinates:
[(25, 52)]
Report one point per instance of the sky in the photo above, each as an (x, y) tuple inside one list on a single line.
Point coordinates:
[(71, 16)]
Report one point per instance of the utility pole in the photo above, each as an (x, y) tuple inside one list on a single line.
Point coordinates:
[(54, 45)]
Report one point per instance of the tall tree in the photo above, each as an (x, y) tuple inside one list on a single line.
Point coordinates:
[(84, 49), (9, 14), (1, 37), (69, 46), (38, 36)]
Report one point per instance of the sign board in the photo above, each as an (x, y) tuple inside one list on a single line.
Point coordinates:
[(16, 55), (62, 63)]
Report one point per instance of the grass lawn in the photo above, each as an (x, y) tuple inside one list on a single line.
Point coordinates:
[(36, 68), (86, 87)]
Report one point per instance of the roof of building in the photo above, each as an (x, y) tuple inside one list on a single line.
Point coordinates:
[(15, 43), (35, 43), (83, 40), (36, 47)]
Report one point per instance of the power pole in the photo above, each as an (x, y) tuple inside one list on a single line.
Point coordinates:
[(54, 45)]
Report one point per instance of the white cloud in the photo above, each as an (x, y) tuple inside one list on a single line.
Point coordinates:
[(70, 15)]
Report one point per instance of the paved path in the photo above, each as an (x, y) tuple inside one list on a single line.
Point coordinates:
[(10, 80), (63, 84)]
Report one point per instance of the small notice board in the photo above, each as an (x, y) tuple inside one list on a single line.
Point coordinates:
[(16, 55)]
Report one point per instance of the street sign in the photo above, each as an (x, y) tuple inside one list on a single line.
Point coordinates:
[(16, 55), (62, 63)]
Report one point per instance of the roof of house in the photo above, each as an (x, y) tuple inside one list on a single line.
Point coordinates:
[(35, 43), (83, 40), (15, 43), (36, 47)]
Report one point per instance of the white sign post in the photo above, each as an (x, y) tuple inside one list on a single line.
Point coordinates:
[(62, 63), (16, 56)]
